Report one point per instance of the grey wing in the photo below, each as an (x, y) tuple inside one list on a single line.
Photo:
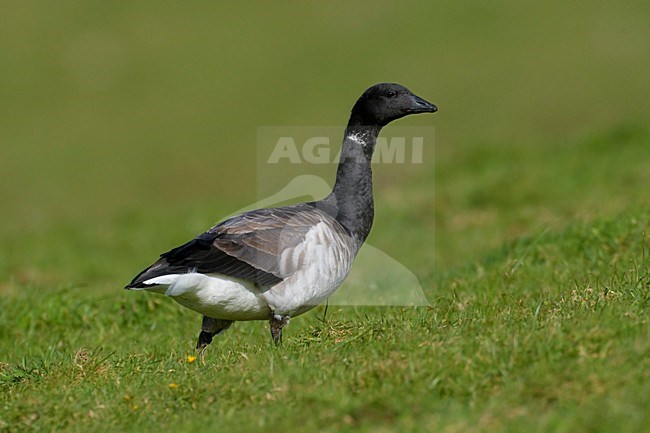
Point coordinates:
[(247, 246), (260, 237)]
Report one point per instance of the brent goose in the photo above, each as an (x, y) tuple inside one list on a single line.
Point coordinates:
[(276, 263)]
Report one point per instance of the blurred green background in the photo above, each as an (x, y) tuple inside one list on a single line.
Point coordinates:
[(131, 126)]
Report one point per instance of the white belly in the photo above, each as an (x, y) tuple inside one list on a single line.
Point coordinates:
[(215, 295)]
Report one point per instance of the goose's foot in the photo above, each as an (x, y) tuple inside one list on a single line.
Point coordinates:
[(277, 323), (209, 328)]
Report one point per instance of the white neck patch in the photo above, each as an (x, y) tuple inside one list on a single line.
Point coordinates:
[(357, 138)]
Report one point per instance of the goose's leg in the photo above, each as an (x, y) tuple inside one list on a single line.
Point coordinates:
[(277, 323), (209, 328)]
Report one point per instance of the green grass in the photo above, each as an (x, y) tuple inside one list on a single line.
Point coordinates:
[(550, 333), (127, 129)]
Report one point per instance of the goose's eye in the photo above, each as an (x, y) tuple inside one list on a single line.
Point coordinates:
[(391, 94)]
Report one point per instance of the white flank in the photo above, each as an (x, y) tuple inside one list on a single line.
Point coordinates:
[(322, 260)]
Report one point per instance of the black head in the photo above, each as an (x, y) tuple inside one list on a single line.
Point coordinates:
[(385, 102)]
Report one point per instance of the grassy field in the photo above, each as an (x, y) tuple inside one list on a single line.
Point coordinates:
[(127, 129)]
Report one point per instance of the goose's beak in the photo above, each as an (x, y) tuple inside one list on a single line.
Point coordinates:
[(419, 105)]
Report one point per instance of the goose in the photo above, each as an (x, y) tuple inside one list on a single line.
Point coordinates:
[(277, 263)]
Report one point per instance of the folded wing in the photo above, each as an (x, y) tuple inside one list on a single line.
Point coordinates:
[(248, 246)]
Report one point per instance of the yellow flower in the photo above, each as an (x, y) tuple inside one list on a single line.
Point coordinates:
[(173, 385), (191, 359)]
